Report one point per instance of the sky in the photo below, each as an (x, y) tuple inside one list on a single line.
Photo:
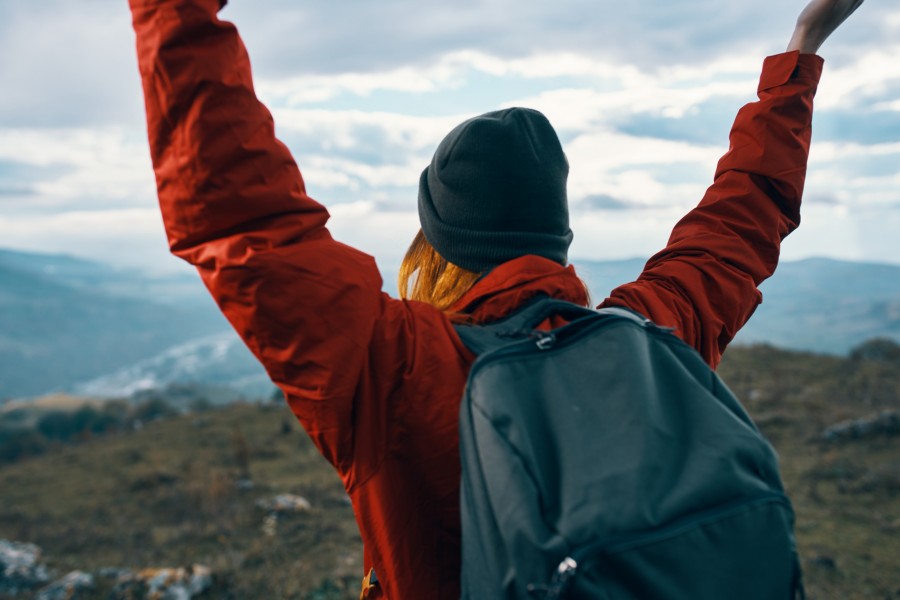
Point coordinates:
[(642, 93)]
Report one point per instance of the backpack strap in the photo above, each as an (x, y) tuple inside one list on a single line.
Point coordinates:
[(522, 323)]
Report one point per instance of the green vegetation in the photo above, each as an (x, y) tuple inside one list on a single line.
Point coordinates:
[(174, 492), (846, 493), (168, 495), (25, 433)]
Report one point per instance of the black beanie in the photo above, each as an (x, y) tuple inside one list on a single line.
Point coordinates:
[(496, 190)]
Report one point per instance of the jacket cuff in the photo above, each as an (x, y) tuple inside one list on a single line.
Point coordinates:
[(790, 66)]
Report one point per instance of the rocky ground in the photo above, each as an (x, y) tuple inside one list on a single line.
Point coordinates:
[(235, 502)]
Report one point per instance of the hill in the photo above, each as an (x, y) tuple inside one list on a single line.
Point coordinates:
[(170, 288), (177, 491), (78, 326), (62, 321), (220, 360), (817, 304)]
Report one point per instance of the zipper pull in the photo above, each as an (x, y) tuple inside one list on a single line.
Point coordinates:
[(561, 579), (545, 340)]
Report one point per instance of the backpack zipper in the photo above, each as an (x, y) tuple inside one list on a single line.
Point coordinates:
[(547, 340), (569, 567)]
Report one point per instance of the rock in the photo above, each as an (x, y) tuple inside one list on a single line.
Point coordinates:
[(164, 584), (826, 563), (881, 480), (757, 395), (69, 587), (244, 484), (284, 503), (20, 567), (885, 423), (270, 525), (113, 573)]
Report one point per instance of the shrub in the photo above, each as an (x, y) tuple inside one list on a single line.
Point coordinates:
[(878, 349), (57, 425), (152, 409), (20, 443)]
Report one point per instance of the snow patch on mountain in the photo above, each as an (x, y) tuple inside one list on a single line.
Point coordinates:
[(221, 359)]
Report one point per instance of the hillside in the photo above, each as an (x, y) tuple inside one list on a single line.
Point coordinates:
[(179, 287), (78, 326), (817, 304), (174, 493), (62, 323)]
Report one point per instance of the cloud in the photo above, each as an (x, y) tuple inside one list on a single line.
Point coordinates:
[(20, 180), (76, 167), (67, 64), (358, 36), (347, 130), (857, 175), (607, 235), (863, 80), (125, 238), (642, 94), (603, 202), (73, 64), (17, 192), (850, 234)]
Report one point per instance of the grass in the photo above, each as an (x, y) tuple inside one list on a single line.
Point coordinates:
[(846, 495), (167, 495)]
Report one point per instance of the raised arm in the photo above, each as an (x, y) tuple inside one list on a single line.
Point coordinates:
[(234, 204), (220, 171), (704, 283)]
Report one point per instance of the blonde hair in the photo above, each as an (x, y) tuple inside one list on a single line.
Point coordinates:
[(426, 276)]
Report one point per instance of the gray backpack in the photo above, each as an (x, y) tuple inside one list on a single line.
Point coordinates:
[(606, 460)]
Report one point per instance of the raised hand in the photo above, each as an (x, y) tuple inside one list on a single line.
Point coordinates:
[(819, 20)]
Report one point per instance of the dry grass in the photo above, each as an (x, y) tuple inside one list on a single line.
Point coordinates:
[(167, 495)]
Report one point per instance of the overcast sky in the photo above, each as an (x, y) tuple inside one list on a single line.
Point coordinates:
[(642, 92)]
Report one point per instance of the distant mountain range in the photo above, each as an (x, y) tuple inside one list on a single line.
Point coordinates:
[(817, 304), (68, 324), (64, 320)]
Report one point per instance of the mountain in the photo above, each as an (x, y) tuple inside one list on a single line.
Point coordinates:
[(817, 304), (173, 288), (68, 324), (220, 359), (827, 306), (64, 320)]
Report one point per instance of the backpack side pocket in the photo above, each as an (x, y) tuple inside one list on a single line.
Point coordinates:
[(741, 551)]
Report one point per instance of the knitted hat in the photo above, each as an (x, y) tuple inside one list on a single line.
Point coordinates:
[(496, 190)]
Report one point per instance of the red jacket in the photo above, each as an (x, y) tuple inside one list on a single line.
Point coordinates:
[(376, 382)]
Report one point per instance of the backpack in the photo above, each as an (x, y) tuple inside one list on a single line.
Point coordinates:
[(606, 460)]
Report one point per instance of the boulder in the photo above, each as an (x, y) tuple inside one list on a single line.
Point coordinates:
[(20, 567), (164, 584), (69, 587), (284, 503), (885, 423)]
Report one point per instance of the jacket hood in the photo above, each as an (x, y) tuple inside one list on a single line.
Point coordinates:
[(513, 283)]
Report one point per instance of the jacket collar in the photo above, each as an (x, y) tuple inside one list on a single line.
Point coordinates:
[(514, 283)]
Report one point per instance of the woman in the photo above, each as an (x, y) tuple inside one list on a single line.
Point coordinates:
[(376, 382)]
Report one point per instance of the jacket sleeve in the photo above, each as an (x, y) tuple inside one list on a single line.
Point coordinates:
[(704, 282), (234, 205)]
